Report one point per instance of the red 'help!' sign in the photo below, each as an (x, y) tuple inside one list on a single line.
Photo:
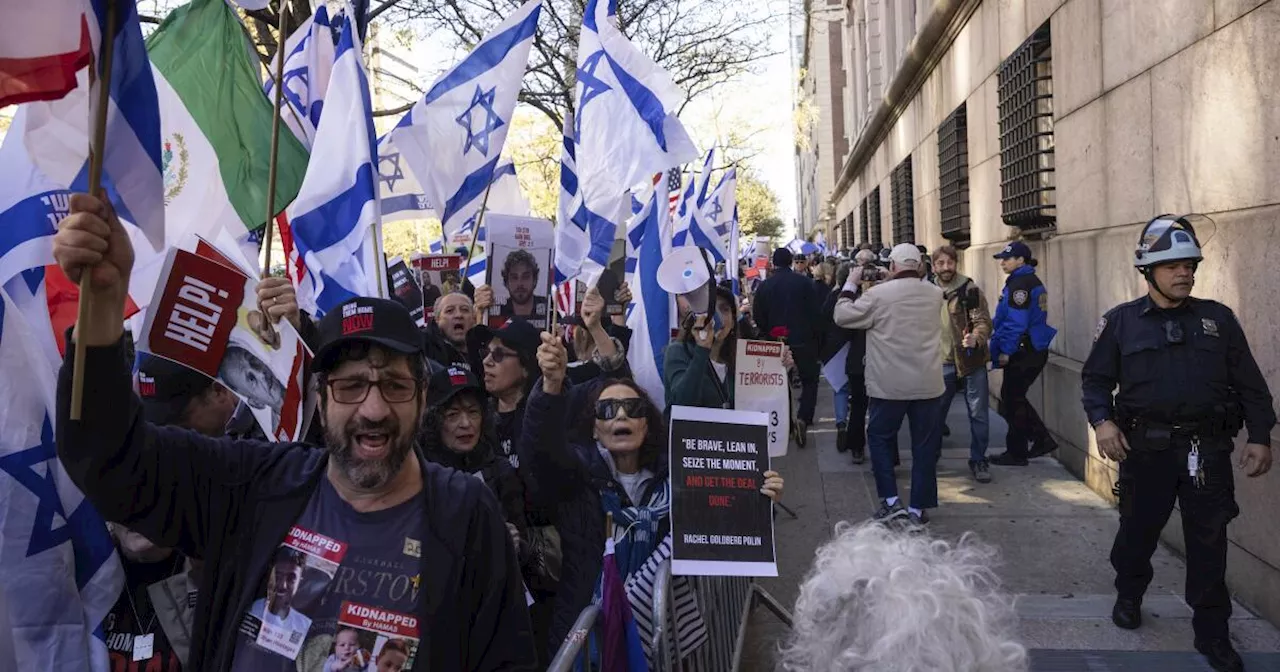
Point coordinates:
[(197, 311)]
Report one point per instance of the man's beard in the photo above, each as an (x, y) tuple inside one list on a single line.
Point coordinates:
[(368, 474), (946, 276), (522, 296)]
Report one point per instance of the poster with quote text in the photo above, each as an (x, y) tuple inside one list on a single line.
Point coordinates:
[(721, 525)]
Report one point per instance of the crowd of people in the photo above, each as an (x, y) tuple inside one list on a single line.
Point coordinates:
[(913, 333)]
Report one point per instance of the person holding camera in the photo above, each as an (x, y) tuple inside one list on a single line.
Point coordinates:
[(966, 326)]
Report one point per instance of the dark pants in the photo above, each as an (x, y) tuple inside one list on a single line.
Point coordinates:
[(806, 357), (882, 438), (1025, 425), (857, 432), (1150, 481)]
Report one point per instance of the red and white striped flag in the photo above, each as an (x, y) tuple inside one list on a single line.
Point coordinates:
[(42, 46)]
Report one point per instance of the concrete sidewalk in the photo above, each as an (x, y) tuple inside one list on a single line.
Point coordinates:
[(1054, 535)]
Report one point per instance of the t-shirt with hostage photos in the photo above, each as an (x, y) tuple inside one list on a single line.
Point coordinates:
[(340, 594)]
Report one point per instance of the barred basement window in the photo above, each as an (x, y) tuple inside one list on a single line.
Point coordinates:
[(903, 203), (864, 230), (953, 176), (1026, 135), (873, 219)]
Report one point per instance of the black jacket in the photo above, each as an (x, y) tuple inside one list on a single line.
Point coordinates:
[(232, 502), (834, 337), (437, 348), (788, 299)]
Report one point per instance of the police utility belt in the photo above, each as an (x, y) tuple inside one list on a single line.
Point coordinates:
[(1149, 433)]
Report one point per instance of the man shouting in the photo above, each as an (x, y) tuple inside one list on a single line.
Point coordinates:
[(446, 575)]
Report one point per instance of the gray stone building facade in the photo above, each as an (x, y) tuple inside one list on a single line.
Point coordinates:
[(1068, 124)]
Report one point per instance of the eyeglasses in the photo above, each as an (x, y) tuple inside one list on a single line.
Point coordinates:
[(356, 390), (496, 354), (607, 409), (1173, 332)]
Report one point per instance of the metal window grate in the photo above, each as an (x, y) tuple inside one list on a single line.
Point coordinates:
[(903, 203), (953, 176), (864, 231), (1026, 135), (873, 219)]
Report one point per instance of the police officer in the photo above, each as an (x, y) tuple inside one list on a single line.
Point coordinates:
[(1020, 339), (1187, 383)]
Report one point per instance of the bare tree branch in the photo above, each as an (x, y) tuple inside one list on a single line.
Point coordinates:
[(395, 110)]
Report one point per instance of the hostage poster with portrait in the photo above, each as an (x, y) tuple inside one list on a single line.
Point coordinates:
[(406, 289), (440, 275), (519, 268), (721, 525), (205, 315)]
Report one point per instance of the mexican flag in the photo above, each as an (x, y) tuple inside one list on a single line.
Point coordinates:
[(215, 125)]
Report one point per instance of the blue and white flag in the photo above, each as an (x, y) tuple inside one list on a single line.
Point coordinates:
[(626, 128), (61, 573), (584, 237), (336, 218), (31, 202), (650, 317), (307, 69), (453, 137), (721, 207)]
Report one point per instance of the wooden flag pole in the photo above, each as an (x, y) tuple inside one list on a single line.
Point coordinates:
[(268, 327), (96, 155), (475, 234), (275, 144)]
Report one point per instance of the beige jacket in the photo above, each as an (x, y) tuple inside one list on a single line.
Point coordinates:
[(904, 337)]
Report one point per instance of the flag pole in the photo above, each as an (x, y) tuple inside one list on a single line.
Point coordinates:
[(96, 155), (475, 234), (275, 145)]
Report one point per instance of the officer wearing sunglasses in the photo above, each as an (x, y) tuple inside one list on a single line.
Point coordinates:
[(1187, 383)]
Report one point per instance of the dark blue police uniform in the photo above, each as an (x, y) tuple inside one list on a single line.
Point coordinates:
[(1020, 329), (1187, 382)]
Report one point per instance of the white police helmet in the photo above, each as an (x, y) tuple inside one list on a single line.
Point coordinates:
[(1167, 238)]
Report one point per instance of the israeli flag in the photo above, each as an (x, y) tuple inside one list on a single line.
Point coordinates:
[(307, 69), (336, 216), (626, 128), (61, 573), (584, 237), (452, 138), (650, 317)]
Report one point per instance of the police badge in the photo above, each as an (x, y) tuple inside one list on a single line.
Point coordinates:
[(1019, 298)]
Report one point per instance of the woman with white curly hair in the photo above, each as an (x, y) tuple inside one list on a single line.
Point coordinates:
[(896, 601)]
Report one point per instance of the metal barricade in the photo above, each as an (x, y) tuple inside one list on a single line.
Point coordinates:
[(726, 604), (575, 647)]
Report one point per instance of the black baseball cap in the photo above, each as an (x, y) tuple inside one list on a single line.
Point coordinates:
[(449, 382), (1015, 249), (518, 334), (166, 387), (380, 321)]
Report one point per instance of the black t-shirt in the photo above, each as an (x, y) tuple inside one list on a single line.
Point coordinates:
[(123, 630)]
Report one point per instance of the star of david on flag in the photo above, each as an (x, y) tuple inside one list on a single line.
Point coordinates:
[(466, 109), (61, 574), (481, 103)]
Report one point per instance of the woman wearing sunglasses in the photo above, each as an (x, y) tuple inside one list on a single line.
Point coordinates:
[(621, 449)]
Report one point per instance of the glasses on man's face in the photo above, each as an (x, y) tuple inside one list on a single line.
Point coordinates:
[(1173, 332), (496, 354), (356, 390), (607, 409)]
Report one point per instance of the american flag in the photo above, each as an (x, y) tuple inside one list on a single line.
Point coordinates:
[(673, 191)]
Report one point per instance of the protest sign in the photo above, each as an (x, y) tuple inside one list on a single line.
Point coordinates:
[(406, 290), (440, 274), (721, 525), (520, 250), (204, 315), (760, 384)]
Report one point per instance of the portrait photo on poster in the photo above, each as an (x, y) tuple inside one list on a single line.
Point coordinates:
[(520, 254), (440, 275), (721, 525)]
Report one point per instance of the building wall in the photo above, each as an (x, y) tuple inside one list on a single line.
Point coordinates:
[(1163, 106)]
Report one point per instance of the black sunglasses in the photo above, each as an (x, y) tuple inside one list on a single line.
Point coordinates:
[(356, 390), (497, 354), (607, 409)]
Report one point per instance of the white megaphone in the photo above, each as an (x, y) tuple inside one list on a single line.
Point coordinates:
[(686, 272)]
